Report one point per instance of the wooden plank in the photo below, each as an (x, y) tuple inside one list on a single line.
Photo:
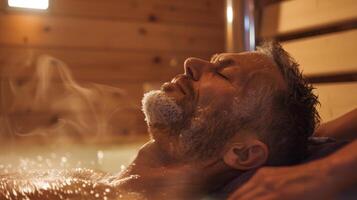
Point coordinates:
[(203, 12), (262, 3), (127, 95), (34, 30), (78, 123), (88, 114), (108, 66), (206, 5), (300, 15), (73, 96), (197, 5), (333, 78), (130, 71), (85, 123), (128, 92), (2, 4), (326, 54), (75, 102), (336, 99), (87, 108)]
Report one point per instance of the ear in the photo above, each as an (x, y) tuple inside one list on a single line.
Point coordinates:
[(248, 155)]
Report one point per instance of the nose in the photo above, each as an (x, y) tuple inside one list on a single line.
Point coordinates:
[(195, 67)]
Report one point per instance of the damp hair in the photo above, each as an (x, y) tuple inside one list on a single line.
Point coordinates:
[(293, 110)]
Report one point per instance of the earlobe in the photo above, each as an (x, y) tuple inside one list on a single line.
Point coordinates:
[(245, 156)]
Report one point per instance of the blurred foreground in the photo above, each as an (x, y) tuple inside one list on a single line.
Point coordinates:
[(106, 157)]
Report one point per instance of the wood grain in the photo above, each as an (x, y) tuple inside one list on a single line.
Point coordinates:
[(2, 4), (129, 71), (172, 11), (325, 54), (299, 15), (336, 99), (200, 12), (120, 49), (98, 66), (34, 30)]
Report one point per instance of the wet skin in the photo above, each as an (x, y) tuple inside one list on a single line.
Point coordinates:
[(216, 83), (154, 173)]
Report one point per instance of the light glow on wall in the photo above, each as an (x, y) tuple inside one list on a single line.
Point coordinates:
[(32, 4), (229, 14)]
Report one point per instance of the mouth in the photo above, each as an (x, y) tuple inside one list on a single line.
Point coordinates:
[(179, 83), (181, 88)]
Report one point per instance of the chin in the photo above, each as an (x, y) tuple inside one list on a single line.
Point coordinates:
[(160, 109)]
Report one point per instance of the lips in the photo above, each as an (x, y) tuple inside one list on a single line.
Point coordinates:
[(181, 83), (180, 87)]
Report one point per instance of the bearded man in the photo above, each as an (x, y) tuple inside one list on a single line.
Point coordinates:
[(222, 120), (215, 125)]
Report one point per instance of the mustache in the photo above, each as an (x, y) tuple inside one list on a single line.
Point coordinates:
[(185, 83)]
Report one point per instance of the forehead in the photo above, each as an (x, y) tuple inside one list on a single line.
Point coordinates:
[(248, 64), (252, 60)]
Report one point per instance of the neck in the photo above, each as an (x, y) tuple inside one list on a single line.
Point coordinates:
[(157, 176)]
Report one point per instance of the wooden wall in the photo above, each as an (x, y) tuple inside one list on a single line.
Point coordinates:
[(322, 36), (122, 43)]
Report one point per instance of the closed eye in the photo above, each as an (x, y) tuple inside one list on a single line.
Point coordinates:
[(221, 64), (225, 63), (222, 75)]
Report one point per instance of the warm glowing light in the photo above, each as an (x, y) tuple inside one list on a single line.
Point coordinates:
[(33, 4), (229, 14)]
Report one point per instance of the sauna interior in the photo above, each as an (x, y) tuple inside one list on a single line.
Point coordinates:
[(72, 75)]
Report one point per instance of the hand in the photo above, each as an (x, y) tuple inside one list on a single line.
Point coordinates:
[(308, 181), (321, 130), (341, 128)]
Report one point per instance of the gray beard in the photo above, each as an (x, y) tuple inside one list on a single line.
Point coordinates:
[(160, 109), (203, 137), (206, 136)]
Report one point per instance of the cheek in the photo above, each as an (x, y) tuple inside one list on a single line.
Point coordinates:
[(216, 94)]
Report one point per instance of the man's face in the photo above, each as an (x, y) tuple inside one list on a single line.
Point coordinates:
[(208, 97)]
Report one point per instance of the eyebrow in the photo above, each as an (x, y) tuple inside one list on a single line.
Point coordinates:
[(213, 57), (224, 63)]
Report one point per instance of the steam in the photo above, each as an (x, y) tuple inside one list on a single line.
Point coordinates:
[(43, 98)]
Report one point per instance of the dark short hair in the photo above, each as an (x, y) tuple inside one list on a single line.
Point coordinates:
[(294, 115)]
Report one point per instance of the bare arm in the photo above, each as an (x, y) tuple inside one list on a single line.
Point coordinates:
[(343, 165), (322, 179), (344, 127)]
